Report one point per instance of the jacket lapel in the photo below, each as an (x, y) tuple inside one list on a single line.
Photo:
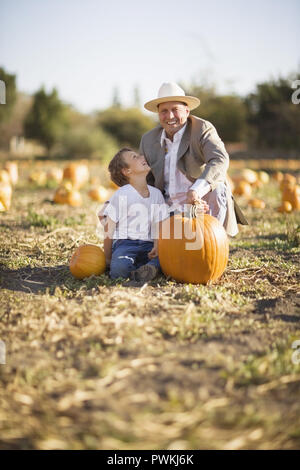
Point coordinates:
[(158, 165)]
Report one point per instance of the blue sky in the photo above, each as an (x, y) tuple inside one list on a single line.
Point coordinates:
[(85, 48)]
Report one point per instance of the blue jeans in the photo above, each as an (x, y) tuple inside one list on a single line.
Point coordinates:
[(128, 255)]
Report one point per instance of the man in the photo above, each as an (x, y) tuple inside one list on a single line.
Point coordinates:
[(188, 159)]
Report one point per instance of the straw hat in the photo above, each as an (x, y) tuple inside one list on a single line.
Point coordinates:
[(170, 91)]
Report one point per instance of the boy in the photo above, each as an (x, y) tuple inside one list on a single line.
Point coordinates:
[(132, 215)]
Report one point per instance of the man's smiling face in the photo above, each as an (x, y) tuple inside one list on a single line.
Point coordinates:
[(173, 116)]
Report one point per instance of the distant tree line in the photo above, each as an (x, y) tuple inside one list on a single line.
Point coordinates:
[(264, 119)]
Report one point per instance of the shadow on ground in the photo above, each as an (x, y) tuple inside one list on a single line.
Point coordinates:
[(33, 280)]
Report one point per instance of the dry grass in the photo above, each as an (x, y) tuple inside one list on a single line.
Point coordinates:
[(94, 365)]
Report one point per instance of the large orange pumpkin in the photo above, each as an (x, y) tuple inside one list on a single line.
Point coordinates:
[(87, 260), (193, 249)]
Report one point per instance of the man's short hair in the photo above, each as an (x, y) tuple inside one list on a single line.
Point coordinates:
[(116, 166)]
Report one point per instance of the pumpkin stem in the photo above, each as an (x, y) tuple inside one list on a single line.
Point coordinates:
[(192, 211)]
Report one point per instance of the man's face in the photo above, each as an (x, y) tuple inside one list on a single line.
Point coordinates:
[(173, 116)]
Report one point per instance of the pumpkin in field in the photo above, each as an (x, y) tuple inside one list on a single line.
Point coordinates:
[(78, 173), (86, 261), (99, 194), (193, 249), (12, 169), (68, 195), (288, 180), (257, 203), (286, 206), (291, 193), (4, 177), (278, 176), (263, 177), (55, 174), (5, 195), (243, 188), (249, 175)]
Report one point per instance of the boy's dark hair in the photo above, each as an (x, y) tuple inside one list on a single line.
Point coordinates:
[(116, 165)]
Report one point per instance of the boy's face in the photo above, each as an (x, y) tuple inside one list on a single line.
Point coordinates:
[(136, 164)]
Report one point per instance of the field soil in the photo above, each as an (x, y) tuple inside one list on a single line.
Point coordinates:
[(94, 364)]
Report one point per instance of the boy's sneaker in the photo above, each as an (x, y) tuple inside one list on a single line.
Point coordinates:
[(144, 273)]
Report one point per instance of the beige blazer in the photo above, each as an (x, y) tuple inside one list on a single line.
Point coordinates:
[(201, 154)]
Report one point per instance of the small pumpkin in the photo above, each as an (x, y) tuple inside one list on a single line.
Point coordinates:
[(249, 175), (263, 177), (278, 176), (243, 188), (193, 249), (257, 203), (286, 206), (288, 180), (68, 195), (86, 261), (4, 177), (78, 173), (5, 195), (291, 193), (12, 169), (99, 194)]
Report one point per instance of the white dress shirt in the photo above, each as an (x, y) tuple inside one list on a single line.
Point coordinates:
[(176, 183)]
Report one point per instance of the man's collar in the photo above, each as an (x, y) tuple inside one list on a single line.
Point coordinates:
[(178, 134)]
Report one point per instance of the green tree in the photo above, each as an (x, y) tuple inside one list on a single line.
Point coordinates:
[(228, 113), (126, 125), (84, 138), (272, 116), (116, 102), (11, 95), (46, 121)]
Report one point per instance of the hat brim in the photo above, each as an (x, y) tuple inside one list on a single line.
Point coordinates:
[(191, 101)]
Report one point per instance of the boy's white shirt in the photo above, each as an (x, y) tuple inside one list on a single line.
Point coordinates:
[(135, 216)]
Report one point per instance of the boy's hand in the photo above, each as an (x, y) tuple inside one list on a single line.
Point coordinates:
[(153, 253)]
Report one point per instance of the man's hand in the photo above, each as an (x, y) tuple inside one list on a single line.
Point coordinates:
[(193, 198), (153, 253)]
